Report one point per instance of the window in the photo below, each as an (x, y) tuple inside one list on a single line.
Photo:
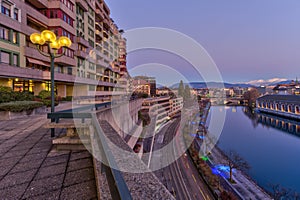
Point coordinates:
[(91, 66), (4, 33), (4, 57), (80, 62), (70, 70), (91, 43), (16, 15), (91, 32), (15, 60), (90, 21), (5, 10), (68, 3), (15, 37)]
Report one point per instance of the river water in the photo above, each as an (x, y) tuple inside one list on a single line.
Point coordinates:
[(270, 145)]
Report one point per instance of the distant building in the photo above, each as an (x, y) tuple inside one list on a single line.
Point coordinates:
[(288, 89), (283, 105), (151, 81), (141, 87), (262, 89), (161, 108)]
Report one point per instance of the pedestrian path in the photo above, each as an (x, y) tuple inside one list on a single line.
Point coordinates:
[(244, 185), (31, 169)]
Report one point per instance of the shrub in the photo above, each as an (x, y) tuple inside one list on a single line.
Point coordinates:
[(7, 95), (19, 106), (44, 94), (47, 102), (69, 98), (23, 96)]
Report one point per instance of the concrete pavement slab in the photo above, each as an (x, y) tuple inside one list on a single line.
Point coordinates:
[(45, 185), (12, 180), (79, 176)]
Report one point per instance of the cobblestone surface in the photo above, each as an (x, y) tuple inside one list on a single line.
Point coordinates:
[(31, 169)]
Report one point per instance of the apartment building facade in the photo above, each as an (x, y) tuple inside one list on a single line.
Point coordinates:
[(96, 61)]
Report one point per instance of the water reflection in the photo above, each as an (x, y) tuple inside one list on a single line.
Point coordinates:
[(277, 122)]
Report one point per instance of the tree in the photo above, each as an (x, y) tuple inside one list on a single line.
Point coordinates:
[(187, 93), (235, 161), (251, 96), (181, 89)]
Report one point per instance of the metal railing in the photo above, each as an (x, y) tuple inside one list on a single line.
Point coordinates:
[(116, 182), (117, 185)]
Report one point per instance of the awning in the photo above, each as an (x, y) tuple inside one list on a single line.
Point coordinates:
[(38, 62)]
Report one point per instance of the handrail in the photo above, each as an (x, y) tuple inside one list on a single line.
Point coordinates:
[(119, 185), (76, 112), (87, 107)]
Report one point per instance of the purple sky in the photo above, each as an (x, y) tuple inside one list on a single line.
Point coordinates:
[(248, 40)]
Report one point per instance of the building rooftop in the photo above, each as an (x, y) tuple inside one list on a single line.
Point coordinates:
[(285, 98)]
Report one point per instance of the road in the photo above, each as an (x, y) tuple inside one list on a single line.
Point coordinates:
[(180, 177)]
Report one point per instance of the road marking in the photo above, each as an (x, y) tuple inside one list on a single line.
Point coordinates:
[(174, 192), (188, 166), (194, 178), (202, 193)]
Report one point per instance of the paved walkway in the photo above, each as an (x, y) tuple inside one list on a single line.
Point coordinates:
[(245, 186), (31, 169)]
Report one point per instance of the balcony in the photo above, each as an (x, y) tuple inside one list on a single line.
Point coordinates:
[(32, 52), (81, 54), (99, 14), (9, 22), (121, 59), (82, 41), (98, 33), (64, 60), (61, 23), (36, 15), (21, 72), (106, 23), (82, 4), (41, 4), (60, 5), (106, 93), (98, 26)]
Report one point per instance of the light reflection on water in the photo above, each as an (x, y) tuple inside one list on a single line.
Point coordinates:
[(271, 145)]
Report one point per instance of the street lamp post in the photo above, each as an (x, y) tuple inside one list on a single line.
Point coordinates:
[(49, 38)]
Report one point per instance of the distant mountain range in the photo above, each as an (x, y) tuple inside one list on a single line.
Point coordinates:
[(269, 82), (255, 83), (200, 85), (282, 82)]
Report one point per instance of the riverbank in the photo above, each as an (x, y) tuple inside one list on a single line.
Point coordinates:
[(244, 187)]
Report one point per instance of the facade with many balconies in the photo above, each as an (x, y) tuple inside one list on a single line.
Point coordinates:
[(96, 61)]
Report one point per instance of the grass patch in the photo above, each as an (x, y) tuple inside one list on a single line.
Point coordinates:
[(19, 106)]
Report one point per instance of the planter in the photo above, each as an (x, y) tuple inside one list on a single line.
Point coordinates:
[(8, 115)]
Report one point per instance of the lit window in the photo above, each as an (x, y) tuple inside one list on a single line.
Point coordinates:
[(15, 37)]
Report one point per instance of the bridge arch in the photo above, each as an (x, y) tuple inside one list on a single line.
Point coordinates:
[(297, 109), (282, 107), (289, 108)]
